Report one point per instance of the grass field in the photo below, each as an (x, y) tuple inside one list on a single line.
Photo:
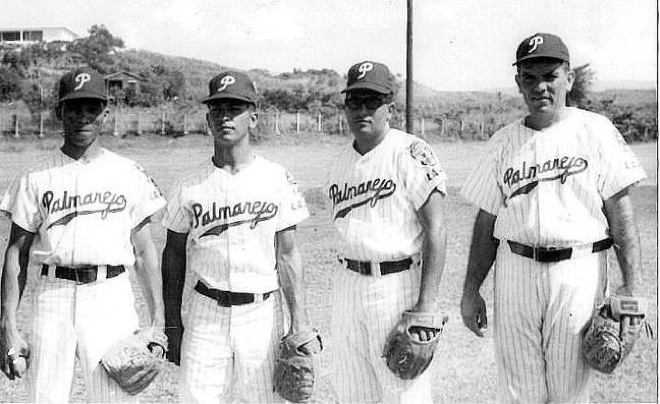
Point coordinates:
[(463, 369)]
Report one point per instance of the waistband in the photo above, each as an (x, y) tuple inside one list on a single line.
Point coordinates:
[(552, 254), (377, 268), (84, 274), (226, 298)]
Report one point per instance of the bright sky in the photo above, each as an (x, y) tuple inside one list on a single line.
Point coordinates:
[(458, 44)]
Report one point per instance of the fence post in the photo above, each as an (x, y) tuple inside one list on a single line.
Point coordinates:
[(460, 130), (162, 123), (277, 122), (341, 124), (115, 128), (41, 124), (482, 129), (422, 125), (442, 127), (185, 124), (320, 122), (297, 122), (138, 128), (16, 133)]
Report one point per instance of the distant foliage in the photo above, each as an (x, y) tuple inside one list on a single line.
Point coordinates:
[(98, 48), (584, 78), (10, 85)]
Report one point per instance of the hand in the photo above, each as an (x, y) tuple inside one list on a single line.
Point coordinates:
[(174, 337), (14, 355), (312, 347), (423, 334), (473, 311)]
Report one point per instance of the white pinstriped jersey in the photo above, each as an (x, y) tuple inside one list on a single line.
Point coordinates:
[(547, 187), (375, 197), (84, 210), (231, 221)]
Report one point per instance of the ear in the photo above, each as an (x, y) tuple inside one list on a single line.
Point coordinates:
[(105, 114), (517, 78), (570, 76), (254, 118)]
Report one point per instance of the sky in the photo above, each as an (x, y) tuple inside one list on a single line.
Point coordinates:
[(458, 45)]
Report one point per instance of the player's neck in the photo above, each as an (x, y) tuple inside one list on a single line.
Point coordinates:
[(233, 160), (544, 121), (363, 144), (81, 153)]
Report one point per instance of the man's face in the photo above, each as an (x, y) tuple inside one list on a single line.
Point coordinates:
[(230, 120), (82, 120), (544, 85), (367, 112)]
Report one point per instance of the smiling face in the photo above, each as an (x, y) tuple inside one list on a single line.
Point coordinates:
[(544, 84), (230, 121), (368, 114), (82, 120)]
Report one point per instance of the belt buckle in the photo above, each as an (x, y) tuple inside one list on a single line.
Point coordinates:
[(92, 277), (224, 299)]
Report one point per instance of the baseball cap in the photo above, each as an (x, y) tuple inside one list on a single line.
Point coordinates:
[(83, 82), (370, 76), (232, 85), (541, 45)]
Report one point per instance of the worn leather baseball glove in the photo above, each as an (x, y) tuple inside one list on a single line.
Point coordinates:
[(406, 356), (295, 377), (614, 329), (135, 361)]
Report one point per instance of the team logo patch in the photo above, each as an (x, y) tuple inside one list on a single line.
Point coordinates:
[(364, 68), (226, 82), (423, 154), (81, 79), (534, 43)]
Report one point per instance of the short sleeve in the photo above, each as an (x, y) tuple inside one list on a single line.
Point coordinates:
[(619, 167), (148, 198), (20, 202), (481, 187), (177, 218), (421, 172), (293, 208)]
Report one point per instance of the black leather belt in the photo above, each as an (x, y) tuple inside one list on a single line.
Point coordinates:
[(386, 267), (84, 274), (228, 299), (550, 254)]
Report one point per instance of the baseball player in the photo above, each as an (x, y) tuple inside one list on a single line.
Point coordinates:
[(386, 190), (88, 211), (552, 192), (229, 256)]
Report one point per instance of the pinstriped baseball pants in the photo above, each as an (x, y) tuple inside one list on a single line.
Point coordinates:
[(78, 321), (228, 353), (541, 312), (365, 310)]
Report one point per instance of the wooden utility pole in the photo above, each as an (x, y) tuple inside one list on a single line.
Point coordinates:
[(410, 125)]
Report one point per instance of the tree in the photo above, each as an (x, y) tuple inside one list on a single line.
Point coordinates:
[(96, 49), (10, 85), (584, 78)]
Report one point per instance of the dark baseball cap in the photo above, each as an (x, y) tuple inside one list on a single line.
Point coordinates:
[(232, 85), (370, 76), (83, 82), (541, 45)]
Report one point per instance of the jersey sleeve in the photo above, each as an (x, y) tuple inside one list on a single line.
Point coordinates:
[(421, 172), (481, 187), (620, 168), (148, 198), (293, 207), (20, 203), (177, 218)]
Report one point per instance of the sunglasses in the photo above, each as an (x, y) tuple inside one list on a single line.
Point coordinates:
[(369, 102)]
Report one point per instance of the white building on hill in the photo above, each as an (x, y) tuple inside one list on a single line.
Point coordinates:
[(36, 34)]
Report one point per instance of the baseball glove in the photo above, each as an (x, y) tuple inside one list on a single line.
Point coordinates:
[(611, 335), (294, 368), (405, 356), (135, 361)]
